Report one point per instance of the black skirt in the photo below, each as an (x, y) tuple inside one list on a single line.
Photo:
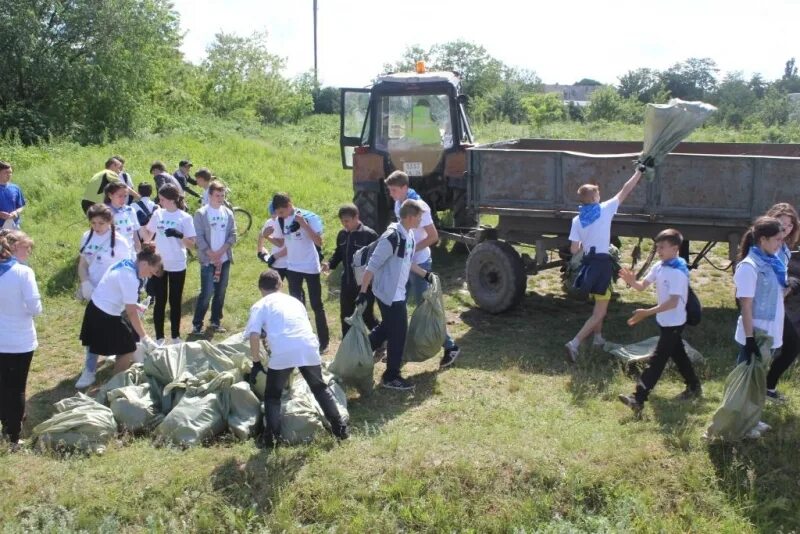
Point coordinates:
[(106, 334)]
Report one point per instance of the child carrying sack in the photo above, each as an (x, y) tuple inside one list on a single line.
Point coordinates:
[(353, 363), (362, 255), (427, 329)]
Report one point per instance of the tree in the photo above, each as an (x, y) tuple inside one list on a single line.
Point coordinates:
[(542, 108), (693, 79), (587, 81), (790, 81), (642, 84), (735, 100)]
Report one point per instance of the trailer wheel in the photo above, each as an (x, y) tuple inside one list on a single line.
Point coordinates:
[(495, 276), (367, 203)]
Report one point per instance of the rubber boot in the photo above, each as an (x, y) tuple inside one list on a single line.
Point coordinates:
[(327, 402), (272, 422)]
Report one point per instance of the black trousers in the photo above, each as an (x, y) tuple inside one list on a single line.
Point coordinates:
[(347, 306), (315, 296), (392, 329), (13, 379), (787, 354), (276, 382), (169, 285), (670, 345)]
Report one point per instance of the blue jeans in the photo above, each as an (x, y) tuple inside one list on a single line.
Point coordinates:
[(208, 288), (415, 287), (742, 355)]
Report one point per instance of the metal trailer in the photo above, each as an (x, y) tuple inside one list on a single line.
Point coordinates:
[(709, 191)]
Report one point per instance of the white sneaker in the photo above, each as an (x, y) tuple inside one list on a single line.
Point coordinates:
[(762, 427), (86, 379), (160, 342), (598, 341), (175, 341), (753, 433)]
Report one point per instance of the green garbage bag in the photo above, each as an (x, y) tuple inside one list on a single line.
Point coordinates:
[(244, 415), (301, 417), (744, 395), (427, 329), (133, 376), (80, 423), (666, 125), (353, 363), (134, 408)]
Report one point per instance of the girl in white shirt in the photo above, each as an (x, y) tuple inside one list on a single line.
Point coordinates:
[(126, 223), (173, 229), (19, 304), (100, 248)]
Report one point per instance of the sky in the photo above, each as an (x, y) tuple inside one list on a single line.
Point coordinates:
[(561, 41)]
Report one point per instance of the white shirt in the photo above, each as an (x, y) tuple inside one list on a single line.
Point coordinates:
[(405, 267), (117, 288), (127, 224), (204, 198), (218, 222), (282, 262), (20, 302), (171, 249), (670, 282), (745, 279), (284, 319), (420, 256), (597, 234), (302, 255), (97, 253)]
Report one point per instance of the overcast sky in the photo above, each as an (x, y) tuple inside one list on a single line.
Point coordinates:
[(562, 41)]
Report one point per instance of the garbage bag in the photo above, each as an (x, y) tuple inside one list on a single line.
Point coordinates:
[(353, 362), (301, 416), (81, 423), (666, 125), (427, 329), (134, 409), (744, 395), (133, 376), (244, 416), (643, 350)]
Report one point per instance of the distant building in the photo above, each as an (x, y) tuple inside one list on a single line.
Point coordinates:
[(577, 94)]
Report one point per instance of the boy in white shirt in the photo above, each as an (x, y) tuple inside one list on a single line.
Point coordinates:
[(203, 178), (144, 207), (671, 277), (591, 232), (292, 343), (301, 232)]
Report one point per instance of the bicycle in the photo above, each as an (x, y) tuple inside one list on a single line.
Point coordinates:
[(242, 217)]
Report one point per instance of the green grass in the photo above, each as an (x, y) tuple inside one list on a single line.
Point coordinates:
[(508, 439)]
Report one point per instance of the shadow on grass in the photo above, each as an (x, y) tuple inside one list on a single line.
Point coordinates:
[(64, 279)]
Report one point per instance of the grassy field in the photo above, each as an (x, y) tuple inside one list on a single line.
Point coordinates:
[(510, 439)]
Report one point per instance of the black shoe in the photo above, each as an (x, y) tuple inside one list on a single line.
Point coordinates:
[(399, 383), (631, 402), (449, 357), (340, 431), (690, 394)]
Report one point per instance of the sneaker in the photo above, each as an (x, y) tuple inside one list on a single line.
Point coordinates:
[(86, 379), (690, 394), (160, 342), (570, 353), (598, 341), (775, 397), (762, 427), (16, 446), (219, 329), (323, 350), (340, 431), (175, 341), (449, 357), (631, 402), (753, 433), (197, 330), (399, 383)]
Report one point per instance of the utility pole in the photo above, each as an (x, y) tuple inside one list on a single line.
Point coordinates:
[(316, 72)]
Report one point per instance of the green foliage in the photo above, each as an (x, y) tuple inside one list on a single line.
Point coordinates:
[(693, 79), (735, 100), (642, 84), (606, 104), (541, 108)]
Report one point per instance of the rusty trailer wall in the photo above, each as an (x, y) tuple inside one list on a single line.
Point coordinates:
[(711, 191)]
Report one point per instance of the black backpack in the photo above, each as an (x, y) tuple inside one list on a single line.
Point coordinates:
[(694, 310), (362, 255), (144, 215)]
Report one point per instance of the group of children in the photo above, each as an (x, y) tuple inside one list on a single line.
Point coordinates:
[(760, 278)]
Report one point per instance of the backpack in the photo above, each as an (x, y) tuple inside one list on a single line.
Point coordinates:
[(694, 310), (362, 255), (144, 215)]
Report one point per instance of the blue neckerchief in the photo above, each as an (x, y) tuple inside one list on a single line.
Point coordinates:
[(413, 195), (677, 263), (773, 261), (588, 213), (126, 264), (6, 265)]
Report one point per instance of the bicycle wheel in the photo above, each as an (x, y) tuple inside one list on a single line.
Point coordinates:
[(243, 220)]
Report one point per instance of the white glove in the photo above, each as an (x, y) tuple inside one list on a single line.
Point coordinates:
[(86, 290), (148, 344)]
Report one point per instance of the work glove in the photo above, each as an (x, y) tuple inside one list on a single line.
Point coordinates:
[(86, 290), (361, 298), (148, 344), (751, 349), (793, 284), (257, 368), (641, 167), (173, 232), (429, 276), (262, 256), (271, 260)]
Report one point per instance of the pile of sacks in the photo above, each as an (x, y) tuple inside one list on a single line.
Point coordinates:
[(185, 394)]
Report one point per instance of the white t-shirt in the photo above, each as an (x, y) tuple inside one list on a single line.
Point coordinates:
[(171, 249), (284, 319), (20, 302), (282, 262), (218, 221), (670, 282), (420, 256), (597, 234), (302, 255), (127, 224), (97, 253), (745, 279), (405, 268), (117, 288)]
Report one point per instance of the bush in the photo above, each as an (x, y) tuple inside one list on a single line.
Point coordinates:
[(543, 108)]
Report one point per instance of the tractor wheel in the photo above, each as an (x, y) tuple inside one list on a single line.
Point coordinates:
[(462, 215), (496, 276), (367, 204)]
